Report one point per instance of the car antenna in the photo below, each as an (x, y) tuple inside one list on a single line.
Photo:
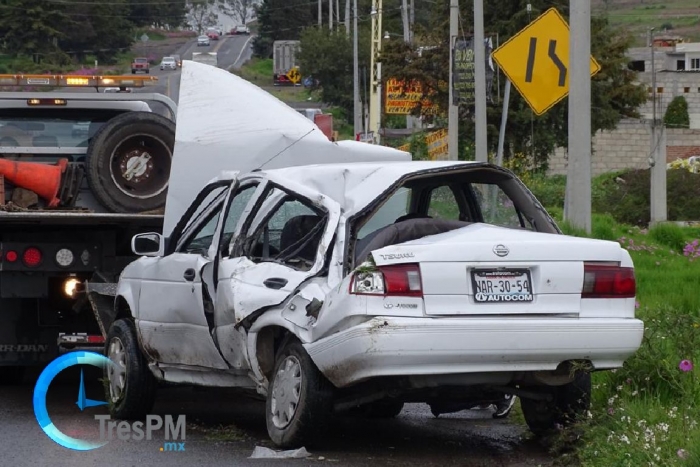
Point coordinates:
[(284, 149)]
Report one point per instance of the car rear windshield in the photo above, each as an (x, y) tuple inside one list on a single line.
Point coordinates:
[(51, 127), (141, 60)]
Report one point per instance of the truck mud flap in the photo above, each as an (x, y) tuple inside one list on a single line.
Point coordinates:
[(101, 297)]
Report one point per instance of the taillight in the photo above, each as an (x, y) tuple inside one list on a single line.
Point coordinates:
[(604, 281), (32, 257), (11, 256), (398, 280)]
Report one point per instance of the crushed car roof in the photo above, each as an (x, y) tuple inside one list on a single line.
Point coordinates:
[(227, 123), (353, 186)]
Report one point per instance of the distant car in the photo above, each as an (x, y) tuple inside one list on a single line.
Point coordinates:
[(178, 60), (213, 35), (168, 63), (240, 29), (203, 40), (140, 64)]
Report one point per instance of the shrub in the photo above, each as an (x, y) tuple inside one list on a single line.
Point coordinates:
[(626, 197), (549, 191), (669, 235), (677, 113)]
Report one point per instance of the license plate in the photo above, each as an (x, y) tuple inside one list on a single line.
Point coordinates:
[(501, 285)]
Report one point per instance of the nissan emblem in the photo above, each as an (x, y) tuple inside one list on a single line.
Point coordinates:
[(501, 250)]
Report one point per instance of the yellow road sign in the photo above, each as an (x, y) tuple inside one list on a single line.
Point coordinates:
[(294, 75), (536, 60)]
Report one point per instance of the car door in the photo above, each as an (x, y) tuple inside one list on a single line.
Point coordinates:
[(172, 322), (283, 241)]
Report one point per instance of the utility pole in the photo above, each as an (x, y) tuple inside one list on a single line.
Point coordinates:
[(330, 14), (453, 113), (404, 19), (357, 105), (482, 151), (375, 98), (320, 13), (347, 18), (658, 194), (578, 199), (412, 18)]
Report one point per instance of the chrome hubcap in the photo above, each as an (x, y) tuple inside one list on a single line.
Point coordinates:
[(286, 392), (117, 370)]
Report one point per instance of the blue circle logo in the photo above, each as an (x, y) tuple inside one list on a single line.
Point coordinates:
[(42, 386)]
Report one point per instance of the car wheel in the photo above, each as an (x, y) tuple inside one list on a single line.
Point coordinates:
[(299, 398), (133, 72), (128, 162), (131, 387), (571, 401)]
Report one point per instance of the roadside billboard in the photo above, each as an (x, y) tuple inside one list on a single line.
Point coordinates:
[(401, 98)]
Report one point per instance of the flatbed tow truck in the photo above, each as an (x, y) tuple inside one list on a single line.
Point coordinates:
[(80, 174)]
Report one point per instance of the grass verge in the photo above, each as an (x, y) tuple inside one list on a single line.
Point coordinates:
[(647, 412)]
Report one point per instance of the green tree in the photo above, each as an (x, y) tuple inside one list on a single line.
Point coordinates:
[(614, 93), (101, 29), (677, 113), (281, 20), (33, 27), (327, 56)]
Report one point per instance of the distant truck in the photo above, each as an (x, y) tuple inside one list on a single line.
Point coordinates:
[(285, 66), (208, 58), (140, 64)]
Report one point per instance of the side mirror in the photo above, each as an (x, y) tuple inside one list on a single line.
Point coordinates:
[(146, 244)]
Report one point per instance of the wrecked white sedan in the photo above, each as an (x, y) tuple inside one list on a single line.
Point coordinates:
[(329, 287)]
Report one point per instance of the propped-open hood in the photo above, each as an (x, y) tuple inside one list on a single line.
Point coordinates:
[(226, 123)]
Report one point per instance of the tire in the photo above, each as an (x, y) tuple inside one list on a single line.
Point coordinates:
[(314, 399), (133, 72), (119, 145), (131, 392), (11, 375), (571, 401)]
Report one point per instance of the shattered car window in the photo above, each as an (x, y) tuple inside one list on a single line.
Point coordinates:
[(203, 236), (497, 208), (398, 205), (235, 210), (290, 235)]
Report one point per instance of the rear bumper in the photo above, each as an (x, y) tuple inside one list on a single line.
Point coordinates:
[(390, 346)]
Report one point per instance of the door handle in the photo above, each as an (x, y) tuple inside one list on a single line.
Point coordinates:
[(189, 275), (275, 283)]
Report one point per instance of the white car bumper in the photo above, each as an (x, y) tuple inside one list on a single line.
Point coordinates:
[(390, 346)]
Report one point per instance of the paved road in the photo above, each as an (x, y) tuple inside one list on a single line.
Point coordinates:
[(224, 427), (232, 51)]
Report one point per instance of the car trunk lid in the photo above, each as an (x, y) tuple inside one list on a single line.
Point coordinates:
[(485, 270)]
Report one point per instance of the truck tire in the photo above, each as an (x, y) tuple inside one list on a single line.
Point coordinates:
[(128, 162), (130, 385), (571, 401), (299, 399)]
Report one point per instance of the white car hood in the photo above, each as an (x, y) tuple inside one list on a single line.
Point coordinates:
[(476, 243), (226, 123)]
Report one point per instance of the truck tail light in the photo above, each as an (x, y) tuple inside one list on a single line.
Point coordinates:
[(11, 256), (32, 256), (396, 280), (605, 281)]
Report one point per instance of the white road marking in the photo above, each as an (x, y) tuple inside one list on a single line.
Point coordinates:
[(243, 49)]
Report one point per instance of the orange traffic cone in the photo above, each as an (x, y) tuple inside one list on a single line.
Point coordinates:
[(42, 179)]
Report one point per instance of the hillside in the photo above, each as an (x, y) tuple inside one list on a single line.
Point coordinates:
[(677, 17)]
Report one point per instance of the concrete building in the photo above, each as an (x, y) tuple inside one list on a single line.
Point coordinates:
[(677, 73)]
